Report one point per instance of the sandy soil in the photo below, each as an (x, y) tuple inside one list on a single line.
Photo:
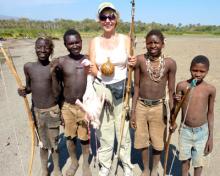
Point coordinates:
[(15, 139)]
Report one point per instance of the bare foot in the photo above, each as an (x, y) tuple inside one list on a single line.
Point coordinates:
[(44, 173), (72, 169), (86, 170), (57, 172), (154, 172), (145, 172)]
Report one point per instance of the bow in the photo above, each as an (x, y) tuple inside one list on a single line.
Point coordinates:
[(13, 70), (127, 95), (173, 116)]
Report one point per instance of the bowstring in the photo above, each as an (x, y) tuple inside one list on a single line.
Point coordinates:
[(181, 126)]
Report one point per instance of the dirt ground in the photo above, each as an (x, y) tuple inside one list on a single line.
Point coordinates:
[(15, 138)]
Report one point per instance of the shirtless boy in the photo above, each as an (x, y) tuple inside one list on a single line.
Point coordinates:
[(152, 73), (196, 131), (74, 80), (46, 110)]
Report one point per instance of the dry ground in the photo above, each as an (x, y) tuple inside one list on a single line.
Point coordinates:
[(15, 135)]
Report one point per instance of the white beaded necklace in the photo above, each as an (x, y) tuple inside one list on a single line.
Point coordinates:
[(155, 72)]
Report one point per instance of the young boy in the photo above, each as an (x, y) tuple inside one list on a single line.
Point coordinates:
[(46, 110), (151, 75), (196, 131), (73, 79)]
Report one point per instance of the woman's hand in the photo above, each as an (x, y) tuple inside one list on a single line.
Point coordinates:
[(132, 61)]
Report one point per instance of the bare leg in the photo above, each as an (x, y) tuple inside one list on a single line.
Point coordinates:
[(197, 171), (85, 151), (156, 160), (56, 170), (71, 146), (44, 161), (145, 159), (185, 167)]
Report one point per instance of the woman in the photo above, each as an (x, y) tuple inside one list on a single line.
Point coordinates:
[(109, 54)]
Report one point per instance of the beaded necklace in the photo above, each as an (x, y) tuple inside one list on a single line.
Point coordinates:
[(155, 72)]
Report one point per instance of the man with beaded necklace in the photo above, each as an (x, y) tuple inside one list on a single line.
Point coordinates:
[(152, 73)]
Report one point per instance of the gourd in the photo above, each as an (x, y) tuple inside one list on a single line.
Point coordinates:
[(107, 68)]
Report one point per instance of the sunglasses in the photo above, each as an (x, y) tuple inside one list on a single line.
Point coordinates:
[(105, 17)]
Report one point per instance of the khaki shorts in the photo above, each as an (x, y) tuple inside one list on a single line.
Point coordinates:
[(74, 120), (150, 126), (48, 122)]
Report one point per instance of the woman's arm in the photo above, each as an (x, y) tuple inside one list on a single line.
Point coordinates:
[(131, 58), (93, 68)]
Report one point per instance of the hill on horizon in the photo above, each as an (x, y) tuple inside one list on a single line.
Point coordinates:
[(5, 17)]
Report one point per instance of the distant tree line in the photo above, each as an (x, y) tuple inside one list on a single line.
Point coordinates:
[(26, 28)]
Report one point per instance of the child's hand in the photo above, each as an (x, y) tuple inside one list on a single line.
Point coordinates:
[(173, 128), (89, 67), (132, 61), (62, 121), (22, 92), (87, 70), (86, 63), (133, 122), (209, 146), (177, 97)]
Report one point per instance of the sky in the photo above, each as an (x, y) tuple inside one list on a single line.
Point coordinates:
[(204, 12)]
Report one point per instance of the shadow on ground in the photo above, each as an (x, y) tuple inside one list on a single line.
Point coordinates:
[(173, 163), (135, 155)]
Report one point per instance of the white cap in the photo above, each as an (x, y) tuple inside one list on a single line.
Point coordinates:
[(104, 5)]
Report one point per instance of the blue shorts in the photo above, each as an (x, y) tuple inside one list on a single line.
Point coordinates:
[(192, 142)]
